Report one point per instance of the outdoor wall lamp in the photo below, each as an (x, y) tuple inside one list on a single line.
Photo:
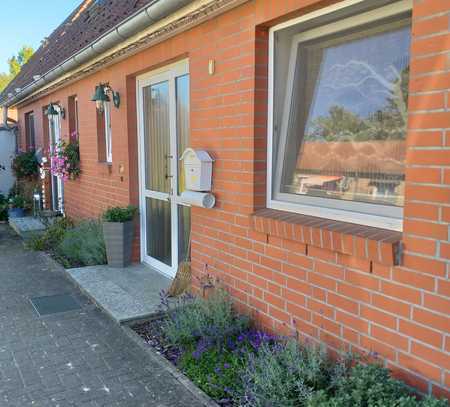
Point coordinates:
[(54, 110), (101, 96)]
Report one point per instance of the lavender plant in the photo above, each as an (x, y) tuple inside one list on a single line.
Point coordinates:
[(216, 368), (284, 373), (191, 319)]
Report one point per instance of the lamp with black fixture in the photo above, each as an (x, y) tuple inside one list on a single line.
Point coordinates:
[(54, 109), (101, 96)]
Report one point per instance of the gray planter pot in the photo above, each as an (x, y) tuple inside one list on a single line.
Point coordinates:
[(119, 242)]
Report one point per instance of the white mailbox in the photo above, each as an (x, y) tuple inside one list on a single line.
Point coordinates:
[(197, 169)]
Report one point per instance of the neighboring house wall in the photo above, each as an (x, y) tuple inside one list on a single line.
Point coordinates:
[(12, 114), (347, 293), (7, 152)]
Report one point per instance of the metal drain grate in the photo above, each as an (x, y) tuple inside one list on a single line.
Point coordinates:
[(54, 304)]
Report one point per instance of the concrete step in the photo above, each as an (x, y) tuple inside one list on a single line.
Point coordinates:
[(124, 293), (27, 227)]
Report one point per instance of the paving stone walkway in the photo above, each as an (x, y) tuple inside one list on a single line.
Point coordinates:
[(77, 358)]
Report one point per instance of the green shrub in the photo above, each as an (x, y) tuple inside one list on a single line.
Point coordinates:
[(287, 374), (213, 319), (3, 208), (82, 245), (52, 236), (17, 201), (120, 214), (370, 386), (216, 371), (25, 165), (71, 152)]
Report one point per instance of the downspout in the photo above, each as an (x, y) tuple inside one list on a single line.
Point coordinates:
[(142, 19), (5, 116)]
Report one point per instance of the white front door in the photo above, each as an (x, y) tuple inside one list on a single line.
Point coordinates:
[(163, 117), (57, 184)]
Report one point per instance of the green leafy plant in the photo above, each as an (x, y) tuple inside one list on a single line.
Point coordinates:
[(3, 208), (370, 386), (288, 374), (82, 245), (17, 201), (216, 371), (240, 366), (25, 165), (65, 160), (52, 236), (212, 319), (120, 214)]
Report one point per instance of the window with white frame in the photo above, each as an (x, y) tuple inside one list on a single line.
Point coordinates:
[(338, 96)]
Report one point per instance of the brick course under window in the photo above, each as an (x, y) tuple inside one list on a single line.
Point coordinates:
[(348, 288)]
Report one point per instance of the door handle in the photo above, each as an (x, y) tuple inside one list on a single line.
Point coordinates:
[(168, 158)]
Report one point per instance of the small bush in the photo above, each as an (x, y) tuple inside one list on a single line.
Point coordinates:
[(216, 371), (82, 245), (211, 319), (120, 214), (217, 368), (3, 208), (286, 374), (17, 201), (370, 386), (52, 237), (25, 165)]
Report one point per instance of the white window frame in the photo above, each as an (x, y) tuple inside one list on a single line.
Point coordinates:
[(108, 132), (77, 123), (375, 215)]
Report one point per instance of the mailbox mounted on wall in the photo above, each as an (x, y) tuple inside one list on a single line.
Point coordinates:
[(197, 169)]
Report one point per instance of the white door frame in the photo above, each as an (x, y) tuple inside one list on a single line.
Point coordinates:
[(168, 73), (59, 186)]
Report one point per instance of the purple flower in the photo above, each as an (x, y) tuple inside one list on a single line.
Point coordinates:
[(202, 346)]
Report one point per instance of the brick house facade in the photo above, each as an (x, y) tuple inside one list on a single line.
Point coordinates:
[(350, 286)]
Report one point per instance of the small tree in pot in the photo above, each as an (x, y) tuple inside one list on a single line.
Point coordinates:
[(118, 233), (17, 206)]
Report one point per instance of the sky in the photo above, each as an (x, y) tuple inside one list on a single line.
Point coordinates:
[(27, 22)]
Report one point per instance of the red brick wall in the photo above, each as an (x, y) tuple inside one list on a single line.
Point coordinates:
[(340, 297)]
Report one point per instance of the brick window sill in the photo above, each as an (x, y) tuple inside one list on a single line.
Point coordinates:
[(378, 245)]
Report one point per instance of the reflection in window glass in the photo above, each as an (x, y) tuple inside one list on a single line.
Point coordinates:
[(159, 230), (182, 101), (346, 126), (157, 137)]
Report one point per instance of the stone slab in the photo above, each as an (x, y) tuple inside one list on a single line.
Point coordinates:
[(27, 227), (124, 293)]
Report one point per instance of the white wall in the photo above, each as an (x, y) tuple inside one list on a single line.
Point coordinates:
[(7, 151)]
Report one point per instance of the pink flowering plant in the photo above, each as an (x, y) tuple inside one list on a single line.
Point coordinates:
[(65, 160)]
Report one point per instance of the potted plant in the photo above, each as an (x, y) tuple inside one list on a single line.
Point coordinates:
[(118, 233), (17, 206)]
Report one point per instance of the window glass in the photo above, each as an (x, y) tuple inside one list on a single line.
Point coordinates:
[(29, 132), (182, 104), (344, 116), (157, 137), (108, 133), (73, 118), (104, 135)]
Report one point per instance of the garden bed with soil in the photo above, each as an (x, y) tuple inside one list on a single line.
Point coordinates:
[(72, 244), (238, 365)]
